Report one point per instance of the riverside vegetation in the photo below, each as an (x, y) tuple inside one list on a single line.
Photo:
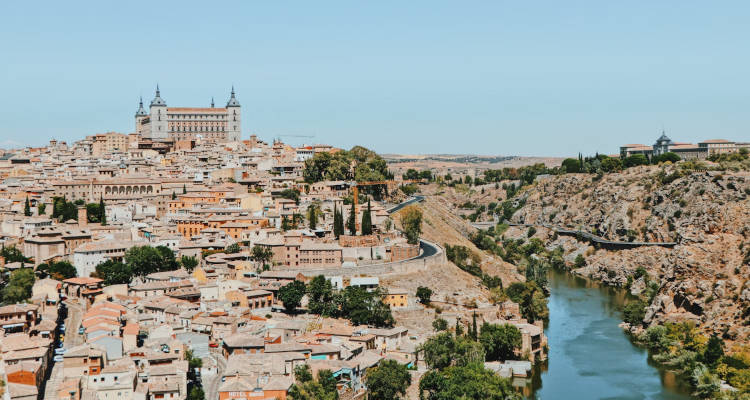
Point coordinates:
[(691, 305)]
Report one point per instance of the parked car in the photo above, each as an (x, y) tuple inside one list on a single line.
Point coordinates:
[(81, 331), (214, 345), (58, 358), (60, 350)]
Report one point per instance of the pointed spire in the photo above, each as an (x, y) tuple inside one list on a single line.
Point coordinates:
[(158, 101), (232, 100), (212, 102), (141, 111)]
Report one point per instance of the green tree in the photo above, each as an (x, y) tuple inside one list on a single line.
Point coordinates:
[(474, 330), (362, 307), (189, 263), (327, 381), (388, 381), (114, 273), (261, 254), (59, 270), (233, 248), (705, 382), (321, 298), (184, 189), (412, 223), (367, 220), (338, 223), (291, 295), (196, 393), (92, 212), (41, 208), (500, 341), (424, 294), (531, 299), (144, 260), (27, 208), (444, 350), (174, 195), (312, 216), (102, 211), (302, 373), (439, 325), (634, 312), (580, 261), (19, 287), (714, 350), (469, 382), (571, 165), (351, 222), (668, 156), (611, 164), (12, 255), (291, 194), (635, 160), (308, 389)]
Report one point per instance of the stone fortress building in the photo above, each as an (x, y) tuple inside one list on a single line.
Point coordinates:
[(189, 123), (686, 151)]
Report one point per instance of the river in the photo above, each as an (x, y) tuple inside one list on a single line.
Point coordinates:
[(590, 357)]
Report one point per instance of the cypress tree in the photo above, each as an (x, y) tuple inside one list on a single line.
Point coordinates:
[(284, 223), (27, 208), (174, 196), (474, 333), (351, 223), (184, 189), (312, 216), (338, 223), (102, 211), (367, 220)]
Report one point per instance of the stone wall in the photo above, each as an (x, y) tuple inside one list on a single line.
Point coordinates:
[(399, 267)]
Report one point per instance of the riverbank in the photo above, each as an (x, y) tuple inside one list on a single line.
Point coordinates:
[(590, 356)]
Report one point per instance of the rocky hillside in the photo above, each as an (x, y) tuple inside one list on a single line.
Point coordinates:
[(703, 278), (442, 225)]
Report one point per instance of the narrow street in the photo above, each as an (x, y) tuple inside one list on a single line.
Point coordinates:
[(72, 338)]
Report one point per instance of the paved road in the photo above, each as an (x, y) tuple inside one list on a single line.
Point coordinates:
[(396, 208), (427, 248), (599, 239), (72, 338), (211, 382)]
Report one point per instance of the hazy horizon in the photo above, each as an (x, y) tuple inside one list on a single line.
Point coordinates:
[(545, 79)]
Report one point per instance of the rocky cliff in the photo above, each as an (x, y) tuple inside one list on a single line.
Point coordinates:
[(703, 278)]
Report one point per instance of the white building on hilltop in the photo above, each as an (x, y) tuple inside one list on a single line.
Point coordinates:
[(189, 123)]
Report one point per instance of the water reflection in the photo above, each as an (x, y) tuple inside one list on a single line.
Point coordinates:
[(590, 357)]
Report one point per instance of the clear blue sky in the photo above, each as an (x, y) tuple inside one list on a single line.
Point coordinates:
[(496, 77)]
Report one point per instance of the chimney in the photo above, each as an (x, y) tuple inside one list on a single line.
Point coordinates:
[(82, 216)]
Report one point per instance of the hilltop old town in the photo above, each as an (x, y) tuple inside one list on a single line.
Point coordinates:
[(182, 262)]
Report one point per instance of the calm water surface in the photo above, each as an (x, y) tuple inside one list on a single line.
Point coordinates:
[(590, 356)]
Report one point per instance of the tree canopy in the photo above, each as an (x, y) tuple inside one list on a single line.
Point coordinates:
[(411, 220), (144, 260), (291, 295), (469, 382), (19, 287), (500, 341), (388, 381), (59, 270), (114, 272)]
